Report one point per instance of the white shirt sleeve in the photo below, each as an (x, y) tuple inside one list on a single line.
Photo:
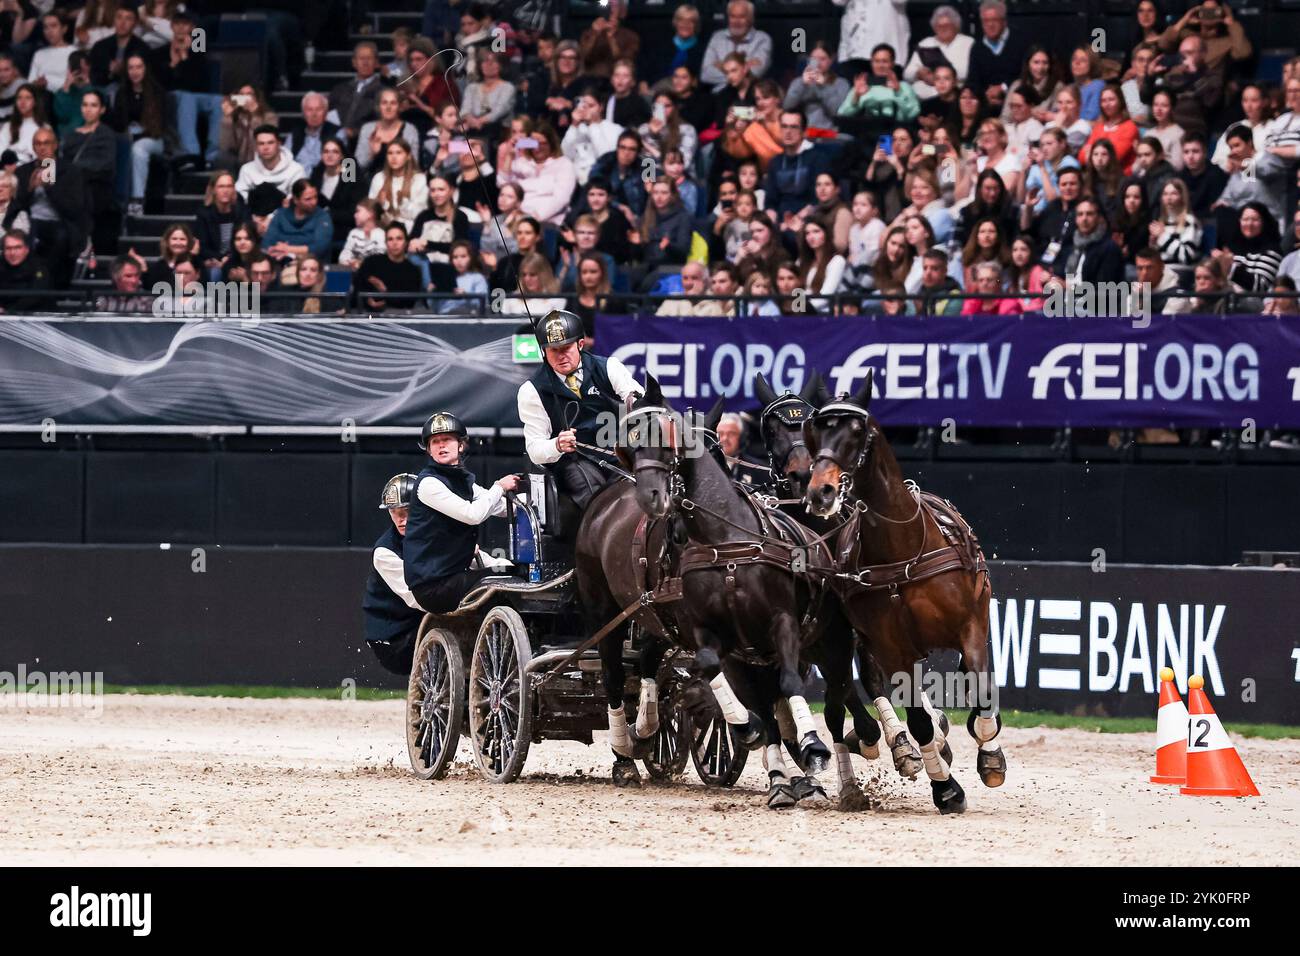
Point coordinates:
[(622, 379), (487, 501), (389, 566), (538, 440)]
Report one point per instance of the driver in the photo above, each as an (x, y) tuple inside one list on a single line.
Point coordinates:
[(446, 510), (563, 404), (392, 616)]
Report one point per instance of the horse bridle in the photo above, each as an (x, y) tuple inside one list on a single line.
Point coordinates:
[(833, 410), (789, 410), (676, 483)]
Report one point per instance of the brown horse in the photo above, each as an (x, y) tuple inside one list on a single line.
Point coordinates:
[(915, 586)]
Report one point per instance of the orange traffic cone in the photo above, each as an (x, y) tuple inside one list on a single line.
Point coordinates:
[(1213, 767), (1171, 733)]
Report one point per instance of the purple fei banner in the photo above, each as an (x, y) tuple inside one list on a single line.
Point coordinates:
[(1000, 371)]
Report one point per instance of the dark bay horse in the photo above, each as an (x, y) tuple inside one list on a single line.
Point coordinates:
[(741, 599), (609, 580), (781, 425), (915, 592)]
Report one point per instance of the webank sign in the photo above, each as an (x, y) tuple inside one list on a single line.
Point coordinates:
[(1178, 371), (1067, 638)]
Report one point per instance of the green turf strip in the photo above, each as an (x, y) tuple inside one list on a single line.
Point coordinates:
[(1010, 718)]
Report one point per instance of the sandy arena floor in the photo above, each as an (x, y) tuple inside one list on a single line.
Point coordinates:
[(213, 781)]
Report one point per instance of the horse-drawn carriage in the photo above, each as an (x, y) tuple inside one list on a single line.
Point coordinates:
[(506, 668)]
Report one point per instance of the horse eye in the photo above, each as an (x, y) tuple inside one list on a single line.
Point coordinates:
[(855, 425)]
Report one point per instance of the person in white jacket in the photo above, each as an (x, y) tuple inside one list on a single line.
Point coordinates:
[(948, 41), (272, 164), (590, 135), (867, 23), (547, 178)]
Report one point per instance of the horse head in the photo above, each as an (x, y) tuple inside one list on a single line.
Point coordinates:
[(781, 424), (653, 441), (838, 437)]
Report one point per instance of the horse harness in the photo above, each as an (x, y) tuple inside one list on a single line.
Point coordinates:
[(962, 550)]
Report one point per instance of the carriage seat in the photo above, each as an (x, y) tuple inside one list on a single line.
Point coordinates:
[(490, 587)]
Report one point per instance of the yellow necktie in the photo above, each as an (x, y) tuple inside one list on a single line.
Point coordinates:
[(571, 380)]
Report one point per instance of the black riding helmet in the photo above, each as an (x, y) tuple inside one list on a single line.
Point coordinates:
[(557, 328), (398, 491), (441, 423)]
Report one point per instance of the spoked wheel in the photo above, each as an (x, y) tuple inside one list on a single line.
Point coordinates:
[(672, 742), (718, 756), (435, 704), (500, 703)]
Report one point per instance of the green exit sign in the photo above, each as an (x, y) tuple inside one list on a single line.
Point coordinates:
[(525, 349)]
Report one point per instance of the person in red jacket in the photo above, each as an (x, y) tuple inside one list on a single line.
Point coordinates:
[(1115, 126)]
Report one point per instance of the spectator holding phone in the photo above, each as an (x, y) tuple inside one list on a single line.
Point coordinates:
[(879, 100), (1223, 39), (242, 113), (1196, 88), (818, 91)]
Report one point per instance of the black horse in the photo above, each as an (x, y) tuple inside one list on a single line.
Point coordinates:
[(741, 599), (781, 426)]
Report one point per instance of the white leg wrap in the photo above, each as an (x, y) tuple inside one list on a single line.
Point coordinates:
[(774, 762), (844, 766), (986, 728), (732, 709), (935, 766), (785, 720), (803, 718), (647, 714), (619, 739), (888, 719)]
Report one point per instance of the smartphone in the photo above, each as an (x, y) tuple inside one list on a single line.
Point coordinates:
[(660, 114), (457, 146), (886, 142), (726, 203), (744, 112), (526, 142), (241, 100), (928, 149)]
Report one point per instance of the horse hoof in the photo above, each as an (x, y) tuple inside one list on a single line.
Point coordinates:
[(907, 759), (780, 796), (814, 756), (642, 747), (751, 734), (851, 799), (808, 791), (992, 767), (855, 745), (949, 797), (625, 774)]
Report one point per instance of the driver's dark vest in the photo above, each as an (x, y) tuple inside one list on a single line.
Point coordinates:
[(437, 545), (598, 397), (387, 616)]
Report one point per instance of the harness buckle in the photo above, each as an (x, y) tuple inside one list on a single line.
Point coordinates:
[(731, 566)]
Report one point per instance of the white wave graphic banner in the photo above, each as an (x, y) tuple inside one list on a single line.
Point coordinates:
[(300, 373)]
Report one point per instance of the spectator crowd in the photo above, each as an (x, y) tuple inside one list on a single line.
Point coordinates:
[(975, 169)]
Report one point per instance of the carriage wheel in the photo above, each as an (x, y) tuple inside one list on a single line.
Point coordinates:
[(435, 704), (500, 701), (668, 755), (718, 756)]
